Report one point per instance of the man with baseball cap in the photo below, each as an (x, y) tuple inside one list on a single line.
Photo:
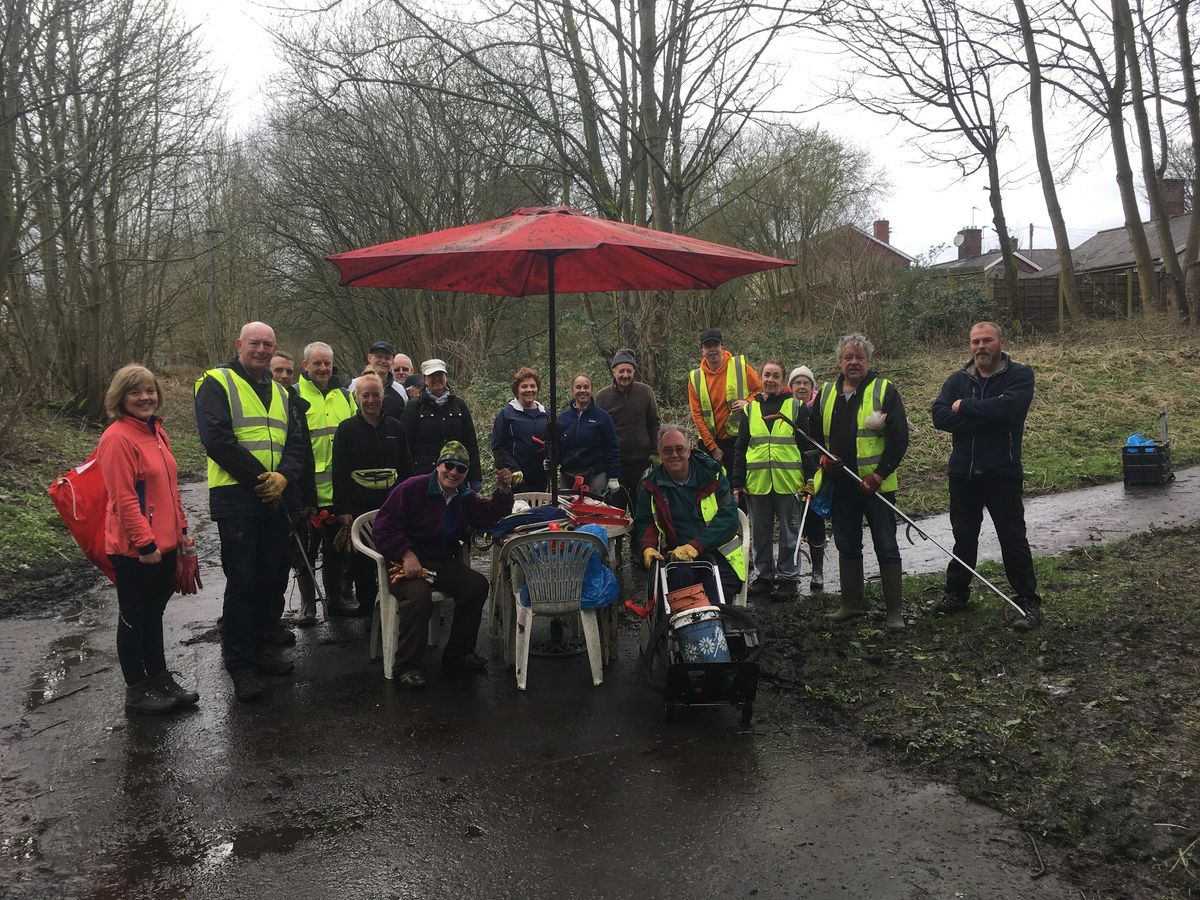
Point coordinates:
[(635, 415), (717, 392), (379, 358)]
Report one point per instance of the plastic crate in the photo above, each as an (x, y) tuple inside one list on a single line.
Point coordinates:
[(1147, 463)]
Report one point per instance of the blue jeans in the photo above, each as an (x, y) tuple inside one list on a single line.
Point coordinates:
[(849, 507)]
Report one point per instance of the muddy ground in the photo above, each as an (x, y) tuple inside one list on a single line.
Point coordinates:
[(1084, 735)]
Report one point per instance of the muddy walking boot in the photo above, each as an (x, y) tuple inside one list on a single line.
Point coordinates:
[(893, 595), (817, 585), (147, 699), (852, 605)]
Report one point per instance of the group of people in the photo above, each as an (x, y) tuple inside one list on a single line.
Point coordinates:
[(294, 458)]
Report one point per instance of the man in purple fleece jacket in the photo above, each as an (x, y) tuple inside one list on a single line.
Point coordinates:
[(422, 525)]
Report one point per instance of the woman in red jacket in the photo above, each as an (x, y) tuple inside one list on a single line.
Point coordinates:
[(143, 530)]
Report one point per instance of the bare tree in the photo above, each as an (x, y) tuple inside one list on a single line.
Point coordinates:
[(106, 116), (925, 63), (1062, 242), (630, 106), (1152, 171)]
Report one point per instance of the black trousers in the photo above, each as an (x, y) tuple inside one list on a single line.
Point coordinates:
[(414, 605), (253, 558), (1001, 497), (142, 595), (632, 470)]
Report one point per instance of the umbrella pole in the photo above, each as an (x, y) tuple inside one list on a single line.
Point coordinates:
[(552, 426)]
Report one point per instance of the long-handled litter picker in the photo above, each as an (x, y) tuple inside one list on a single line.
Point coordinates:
[(308, 565), (800, 535), (911, 524)]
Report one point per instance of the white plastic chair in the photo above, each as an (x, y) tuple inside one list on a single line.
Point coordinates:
[(385, 624), (551, 565), (533, 498)]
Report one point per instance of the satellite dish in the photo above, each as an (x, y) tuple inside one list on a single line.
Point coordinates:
[(959, 239)]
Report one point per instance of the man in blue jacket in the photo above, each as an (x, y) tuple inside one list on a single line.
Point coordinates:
[(984, 405)]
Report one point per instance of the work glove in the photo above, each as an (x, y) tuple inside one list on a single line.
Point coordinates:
[(342, 541), (807, 490), (830, 464), (613, 485), (870, 483), (649, 555), (476, 487), (271, 487), (684, 553)]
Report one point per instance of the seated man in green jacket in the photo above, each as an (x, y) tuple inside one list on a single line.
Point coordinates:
[(686, 511)]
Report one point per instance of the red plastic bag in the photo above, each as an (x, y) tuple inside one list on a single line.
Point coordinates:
[(81, 499)]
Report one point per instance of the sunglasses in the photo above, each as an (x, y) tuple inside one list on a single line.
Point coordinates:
[(455, 467), (674, 451)]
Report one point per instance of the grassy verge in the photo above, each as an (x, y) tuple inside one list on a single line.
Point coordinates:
[(1086, 731), (1095, 386), (34, 541)]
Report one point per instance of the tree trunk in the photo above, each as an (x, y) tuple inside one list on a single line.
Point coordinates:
[(1062, 242), (1188, 71), (1123, 18)]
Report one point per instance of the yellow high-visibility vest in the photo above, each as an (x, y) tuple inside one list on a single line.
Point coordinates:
[(263, 432), (325, 412), (772, 458), (731, 549), (735, 389), (868, 445)]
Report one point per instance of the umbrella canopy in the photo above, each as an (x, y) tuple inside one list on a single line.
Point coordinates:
[(510, 257), (541, 250)]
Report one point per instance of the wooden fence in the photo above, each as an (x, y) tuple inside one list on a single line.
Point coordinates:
[(1040, 305)]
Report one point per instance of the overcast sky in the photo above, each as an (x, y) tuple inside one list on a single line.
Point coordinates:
[(926, 207)]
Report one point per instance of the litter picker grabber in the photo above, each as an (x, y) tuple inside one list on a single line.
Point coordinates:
[(308, 565), (800, 534), (892, 506)]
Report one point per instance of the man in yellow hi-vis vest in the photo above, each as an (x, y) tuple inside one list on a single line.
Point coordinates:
[(256, 449), (718, 389), (860, 418), (769, 470), (685, 510), (326, 405)]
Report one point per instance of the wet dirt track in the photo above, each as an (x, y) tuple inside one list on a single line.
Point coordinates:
[(339, 783)]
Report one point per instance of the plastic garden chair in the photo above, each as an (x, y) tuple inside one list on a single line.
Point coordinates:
[(551, 566), (385, 625)]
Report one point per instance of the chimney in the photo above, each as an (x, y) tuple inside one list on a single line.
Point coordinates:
[(883, 231), (971, 244), (1173, 196)]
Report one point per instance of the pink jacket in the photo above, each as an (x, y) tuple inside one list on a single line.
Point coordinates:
[(144, 509)]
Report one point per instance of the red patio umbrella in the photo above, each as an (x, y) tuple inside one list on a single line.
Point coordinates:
[(541, 250)]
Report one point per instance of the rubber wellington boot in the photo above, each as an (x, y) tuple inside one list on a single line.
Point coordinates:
[(852, 605), (893, 595), (817, 585)]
